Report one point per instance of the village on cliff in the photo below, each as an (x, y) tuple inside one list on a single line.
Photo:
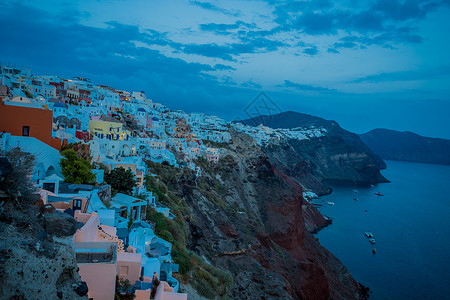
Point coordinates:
[(118, 129)]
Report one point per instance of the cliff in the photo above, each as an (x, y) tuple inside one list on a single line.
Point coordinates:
[(37, 260), (407, 146), (337, 156), (249, 217)]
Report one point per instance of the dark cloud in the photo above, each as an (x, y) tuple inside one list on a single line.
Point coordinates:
[(258, 44), (410, 75), (381, 22), (210, 50), (405, 10), (221, 67), (314, 23), (230, 51), (331, 50), (251, 84), (225, 29), (250, 41), (212, 7), (346, 44), (386, 39), (304, 87), (311, 50)]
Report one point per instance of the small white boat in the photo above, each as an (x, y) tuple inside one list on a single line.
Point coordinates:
[(355, 191), (372, 241), (330, 203), (368, 234)]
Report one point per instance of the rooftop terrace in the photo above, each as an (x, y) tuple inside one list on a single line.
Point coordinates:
[(95, 252)]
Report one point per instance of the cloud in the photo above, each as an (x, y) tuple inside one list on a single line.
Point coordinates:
[(382, 22), (210, 50), (212, 7), (331, 50), (410, 75), (225, 29), (251, 84), (311, 50), (221, 67), (315, 23), (228, 52), (304, 87), (405, 10)]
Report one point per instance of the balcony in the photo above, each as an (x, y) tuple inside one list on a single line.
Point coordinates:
[(95, 252)]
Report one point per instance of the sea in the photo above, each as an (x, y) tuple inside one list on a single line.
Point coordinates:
[(411, 227)]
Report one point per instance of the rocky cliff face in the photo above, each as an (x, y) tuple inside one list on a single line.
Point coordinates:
[(407, 146), (37, 260), (338, 156), (318, 161), (249, 217)]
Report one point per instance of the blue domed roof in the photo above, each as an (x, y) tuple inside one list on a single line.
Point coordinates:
[(141, 109), (59, 104), (155, 119)]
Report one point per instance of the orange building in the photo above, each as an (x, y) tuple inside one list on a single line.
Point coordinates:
[(29, 121)]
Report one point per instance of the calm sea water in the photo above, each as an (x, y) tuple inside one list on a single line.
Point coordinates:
[(411, 226)]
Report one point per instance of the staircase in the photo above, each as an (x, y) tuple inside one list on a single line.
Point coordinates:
[(101, 234)]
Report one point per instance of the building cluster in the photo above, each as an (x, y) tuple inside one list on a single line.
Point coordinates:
[(110, 242), (40, 114), (264, 135), (119, 126)]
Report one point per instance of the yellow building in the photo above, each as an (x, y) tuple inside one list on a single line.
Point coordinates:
[(109, 130)]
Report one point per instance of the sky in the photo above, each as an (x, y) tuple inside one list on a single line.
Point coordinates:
[(365, 64)]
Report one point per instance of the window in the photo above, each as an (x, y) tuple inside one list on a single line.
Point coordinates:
[(25, 130), (49, 186), (76, 204)]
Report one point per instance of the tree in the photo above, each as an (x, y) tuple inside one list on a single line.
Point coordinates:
[(81, 149), (17, 184), (75, 169), (121, 181)]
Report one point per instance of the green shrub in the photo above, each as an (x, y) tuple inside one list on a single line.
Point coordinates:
[(166, 235), (162, 187), (183, 258), (204, 288)]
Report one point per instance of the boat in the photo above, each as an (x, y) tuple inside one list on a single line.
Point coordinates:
[(374, 250), (355, 191), (330, 203), (356, 199), (368, 234), (372, 241), (379, 194)]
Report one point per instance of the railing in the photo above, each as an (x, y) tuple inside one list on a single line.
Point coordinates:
[(104, 235), (94, 257)]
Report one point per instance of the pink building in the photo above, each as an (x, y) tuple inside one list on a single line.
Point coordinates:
[(101, 256), (129, 266), (97, 262), (164, 292)]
